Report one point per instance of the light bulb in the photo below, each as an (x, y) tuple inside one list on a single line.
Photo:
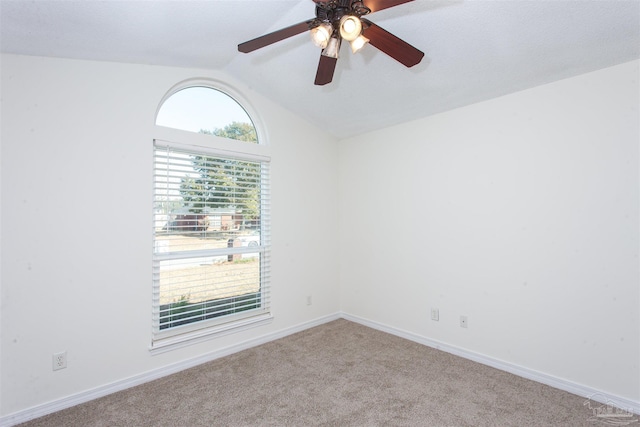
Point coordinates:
[(350, 27), (358, 43), (321, 34)]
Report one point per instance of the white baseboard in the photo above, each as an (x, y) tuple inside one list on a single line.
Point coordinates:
[(86, 396), (550, 380)]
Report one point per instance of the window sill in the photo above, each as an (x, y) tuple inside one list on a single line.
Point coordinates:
[(189, 338)]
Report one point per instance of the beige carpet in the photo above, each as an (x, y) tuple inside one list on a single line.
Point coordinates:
[(337, 374)]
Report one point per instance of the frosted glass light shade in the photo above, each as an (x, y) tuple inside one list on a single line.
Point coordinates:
[(358, 43), (333, 47), (321, 34), (350, 27)]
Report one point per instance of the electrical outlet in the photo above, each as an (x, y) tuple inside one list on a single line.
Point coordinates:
[(463, 321), (309, 300), (59, 360), (435, 314)]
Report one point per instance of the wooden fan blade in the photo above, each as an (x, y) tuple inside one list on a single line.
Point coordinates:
[(396, 48), (326, 67), (376, 5), (274, 37)]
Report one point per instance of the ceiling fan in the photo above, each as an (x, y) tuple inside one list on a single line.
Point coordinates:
[(338, 20)]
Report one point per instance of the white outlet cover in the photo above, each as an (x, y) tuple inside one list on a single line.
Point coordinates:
[(59, 360), (464, 322)]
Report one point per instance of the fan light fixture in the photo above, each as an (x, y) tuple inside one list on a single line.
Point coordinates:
[(337, 21), (321, 34), (350, 27), (342, 19)]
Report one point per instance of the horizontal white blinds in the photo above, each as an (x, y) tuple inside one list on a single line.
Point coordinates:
[(211, 240)]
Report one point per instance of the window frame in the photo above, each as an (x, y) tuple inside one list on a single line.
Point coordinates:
[(210, 145)]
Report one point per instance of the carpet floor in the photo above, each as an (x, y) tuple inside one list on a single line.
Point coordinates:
[(337, 374)]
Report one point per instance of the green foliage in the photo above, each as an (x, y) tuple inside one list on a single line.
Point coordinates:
[(192, 191), (236, 130), (225, 183), (245, 260)]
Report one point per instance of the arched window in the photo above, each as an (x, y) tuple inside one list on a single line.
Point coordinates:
[(210, 218), (208, 111)]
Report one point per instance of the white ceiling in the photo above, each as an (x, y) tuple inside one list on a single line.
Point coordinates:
[(474, 50)]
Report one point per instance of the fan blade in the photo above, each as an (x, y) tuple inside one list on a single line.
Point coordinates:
[(274, 37), (376, 5), (396, 48), (326, 67)]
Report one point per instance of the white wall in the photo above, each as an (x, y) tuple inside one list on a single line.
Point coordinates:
[(76, 224), (521, 213)]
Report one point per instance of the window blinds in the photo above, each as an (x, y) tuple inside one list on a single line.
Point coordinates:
[(211, 239)]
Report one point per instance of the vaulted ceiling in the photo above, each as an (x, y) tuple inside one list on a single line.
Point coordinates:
[(474, 50)]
